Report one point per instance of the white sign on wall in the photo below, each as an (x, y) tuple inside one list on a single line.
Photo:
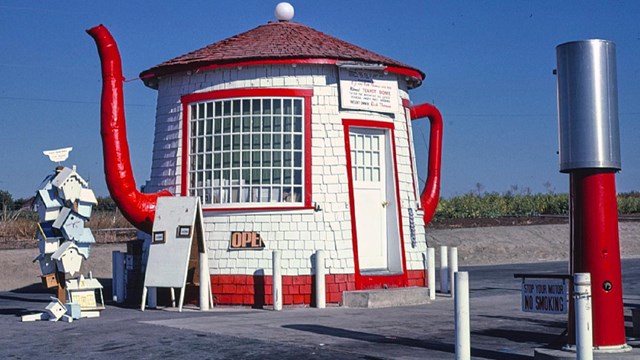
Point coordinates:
[(547, 296), (368, 90)]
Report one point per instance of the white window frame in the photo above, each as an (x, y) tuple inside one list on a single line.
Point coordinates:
[(247, 151)]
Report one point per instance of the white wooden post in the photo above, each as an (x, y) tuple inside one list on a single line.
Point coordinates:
[(453, 268), (582, 297), (431, 272), (444, 270), (277, 282), (321, 302), (461, 304)]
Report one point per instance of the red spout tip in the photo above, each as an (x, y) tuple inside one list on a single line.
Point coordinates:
[(95, 29)]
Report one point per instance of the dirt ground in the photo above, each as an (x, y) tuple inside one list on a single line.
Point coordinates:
[(521, 244), (476, 246), (20, 271)]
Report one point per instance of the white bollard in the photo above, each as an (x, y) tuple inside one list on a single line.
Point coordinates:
[(444, 270), (431, 272), (205, 280), (453, 268), (321, 302), (461, 304), (582, 300), (277, 282)]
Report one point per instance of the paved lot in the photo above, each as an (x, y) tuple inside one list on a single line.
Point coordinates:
[(499, 329)]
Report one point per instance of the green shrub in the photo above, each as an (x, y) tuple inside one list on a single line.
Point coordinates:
[(629, 203)]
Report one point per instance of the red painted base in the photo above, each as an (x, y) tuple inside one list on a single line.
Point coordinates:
[(595, 248), (255, 290)]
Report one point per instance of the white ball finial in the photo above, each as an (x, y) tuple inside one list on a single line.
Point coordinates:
[(284, 11)]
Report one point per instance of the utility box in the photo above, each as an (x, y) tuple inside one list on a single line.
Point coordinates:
[(589, 133)]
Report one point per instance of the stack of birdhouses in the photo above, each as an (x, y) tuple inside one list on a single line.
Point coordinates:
[(64, 204)]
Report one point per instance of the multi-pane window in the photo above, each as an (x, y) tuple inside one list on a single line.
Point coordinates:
[(247, 151), (365, 156)]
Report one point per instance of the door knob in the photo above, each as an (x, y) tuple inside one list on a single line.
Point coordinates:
[(385, 203)]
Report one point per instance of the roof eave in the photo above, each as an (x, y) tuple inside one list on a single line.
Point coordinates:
[(414, 77)]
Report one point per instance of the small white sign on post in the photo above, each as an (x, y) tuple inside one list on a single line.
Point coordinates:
[(368, 90), (548, 296)]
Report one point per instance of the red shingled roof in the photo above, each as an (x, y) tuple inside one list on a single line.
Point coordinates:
[(273, 42)]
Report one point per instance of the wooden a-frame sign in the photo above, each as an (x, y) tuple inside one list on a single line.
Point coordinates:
[(178, 250)]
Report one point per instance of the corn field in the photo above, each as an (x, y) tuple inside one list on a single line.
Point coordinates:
[(494, 205)]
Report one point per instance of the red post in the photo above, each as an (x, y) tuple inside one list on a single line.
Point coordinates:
[(595, 248)]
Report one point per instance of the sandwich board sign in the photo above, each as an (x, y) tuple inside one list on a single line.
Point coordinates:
[(178, 251)]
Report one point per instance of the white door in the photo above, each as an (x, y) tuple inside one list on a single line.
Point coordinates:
[(370, 196)]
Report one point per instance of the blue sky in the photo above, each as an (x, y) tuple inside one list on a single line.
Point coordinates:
[(488, 64)]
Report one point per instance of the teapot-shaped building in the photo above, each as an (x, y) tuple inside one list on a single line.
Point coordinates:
[(294, 141)]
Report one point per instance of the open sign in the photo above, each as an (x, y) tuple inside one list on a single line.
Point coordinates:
[(246, 240)]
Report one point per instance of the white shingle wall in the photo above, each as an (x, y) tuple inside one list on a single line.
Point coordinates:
[(296, 234)]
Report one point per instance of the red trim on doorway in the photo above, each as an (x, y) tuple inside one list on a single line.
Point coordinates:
[(305, 94), (352, 210), (368, 282)]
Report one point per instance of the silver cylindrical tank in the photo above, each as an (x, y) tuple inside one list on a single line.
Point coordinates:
[(589, 133)]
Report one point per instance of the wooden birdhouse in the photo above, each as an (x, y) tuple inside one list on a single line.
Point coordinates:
[(86, 292), (48, 204), (86, 202), (73, 227), (55, 309), (69, 184), (47, 264), (68, 258), (48, 242), (48, 245), (84, 242)]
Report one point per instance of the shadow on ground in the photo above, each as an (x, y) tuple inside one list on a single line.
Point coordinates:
[(380, 339)]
